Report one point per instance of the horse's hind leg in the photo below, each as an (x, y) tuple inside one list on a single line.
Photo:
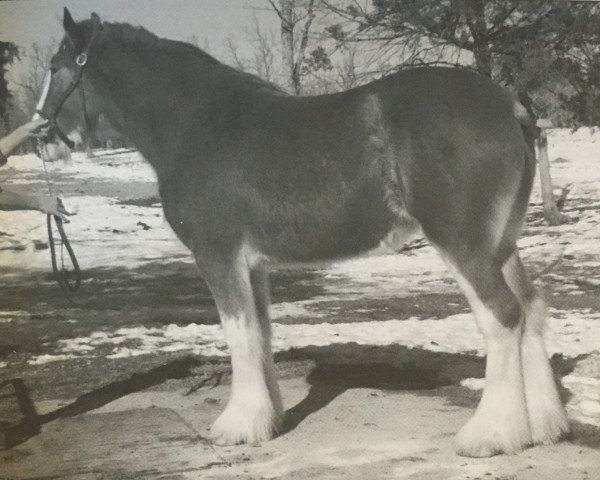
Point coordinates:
[(500, 423), (259, 280), (547, 418), (254, 411)]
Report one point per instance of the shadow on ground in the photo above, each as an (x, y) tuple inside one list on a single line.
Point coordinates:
[(330, 371), (172, 285), (31, 422)]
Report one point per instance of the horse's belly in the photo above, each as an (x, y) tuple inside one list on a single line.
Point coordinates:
[(299, 241), (392, 242)]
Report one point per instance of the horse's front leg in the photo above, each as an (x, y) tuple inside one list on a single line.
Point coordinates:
[(254, 412)]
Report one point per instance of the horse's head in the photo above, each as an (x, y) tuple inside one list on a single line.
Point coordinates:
[(75, 55)]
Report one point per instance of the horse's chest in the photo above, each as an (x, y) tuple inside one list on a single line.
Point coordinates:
[(179, 220)]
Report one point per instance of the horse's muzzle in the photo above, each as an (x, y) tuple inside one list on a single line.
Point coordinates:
[(51, 117)]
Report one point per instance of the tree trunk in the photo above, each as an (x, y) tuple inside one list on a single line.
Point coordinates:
[(292, 81), (551, 213)]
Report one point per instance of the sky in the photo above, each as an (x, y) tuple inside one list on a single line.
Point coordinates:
[(24, 22)]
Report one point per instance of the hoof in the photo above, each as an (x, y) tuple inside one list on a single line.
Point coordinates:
[(547, 418), (236, 426), (489, 435), (548, 422)]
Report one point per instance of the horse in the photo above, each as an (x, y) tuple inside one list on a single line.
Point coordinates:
[(252, 178)]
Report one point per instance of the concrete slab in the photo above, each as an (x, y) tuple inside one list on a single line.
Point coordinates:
[(338, 433)]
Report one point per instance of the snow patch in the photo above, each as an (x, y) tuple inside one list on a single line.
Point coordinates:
[(294, 309), (574, 333), (473, 383), (43, 359)]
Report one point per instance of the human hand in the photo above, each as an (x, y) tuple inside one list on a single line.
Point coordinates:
[(53, 206), (38, 128)]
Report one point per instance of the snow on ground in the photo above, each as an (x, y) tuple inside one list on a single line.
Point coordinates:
[(122, 164), (105, 232), (102, 233), (571, 333), (575, 160)]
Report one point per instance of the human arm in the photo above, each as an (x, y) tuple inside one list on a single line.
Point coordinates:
[(10, 200), (30, 129)]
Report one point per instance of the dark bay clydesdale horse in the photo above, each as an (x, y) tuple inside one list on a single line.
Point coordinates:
[(251, 177)]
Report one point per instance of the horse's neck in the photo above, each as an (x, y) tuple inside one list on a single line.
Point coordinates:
[(155, 107)]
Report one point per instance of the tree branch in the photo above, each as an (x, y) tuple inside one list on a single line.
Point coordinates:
[(304, 38)]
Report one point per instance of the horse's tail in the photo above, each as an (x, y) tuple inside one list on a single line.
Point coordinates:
[(523, 110), (525, 116)]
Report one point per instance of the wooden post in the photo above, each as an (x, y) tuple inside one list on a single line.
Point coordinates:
[(551, 213)]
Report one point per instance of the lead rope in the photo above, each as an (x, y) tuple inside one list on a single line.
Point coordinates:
[(62, 275)]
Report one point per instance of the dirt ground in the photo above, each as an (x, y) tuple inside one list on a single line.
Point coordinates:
[(354, 411)]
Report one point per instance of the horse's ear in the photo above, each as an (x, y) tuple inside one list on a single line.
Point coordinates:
[(68, 23), (96, 22)]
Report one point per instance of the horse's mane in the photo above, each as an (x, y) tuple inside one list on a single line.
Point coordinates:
[(139, 36), (131, 35)]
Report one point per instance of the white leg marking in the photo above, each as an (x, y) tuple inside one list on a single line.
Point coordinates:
[(547, 417), (262, 298), (500, 423), (251, 415), (254, 412)]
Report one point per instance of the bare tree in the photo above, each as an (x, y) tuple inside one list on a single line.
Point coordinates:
[(296, 18), (303, 65), (265, 45), (32, 81), (235, 58), (261, 61)]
